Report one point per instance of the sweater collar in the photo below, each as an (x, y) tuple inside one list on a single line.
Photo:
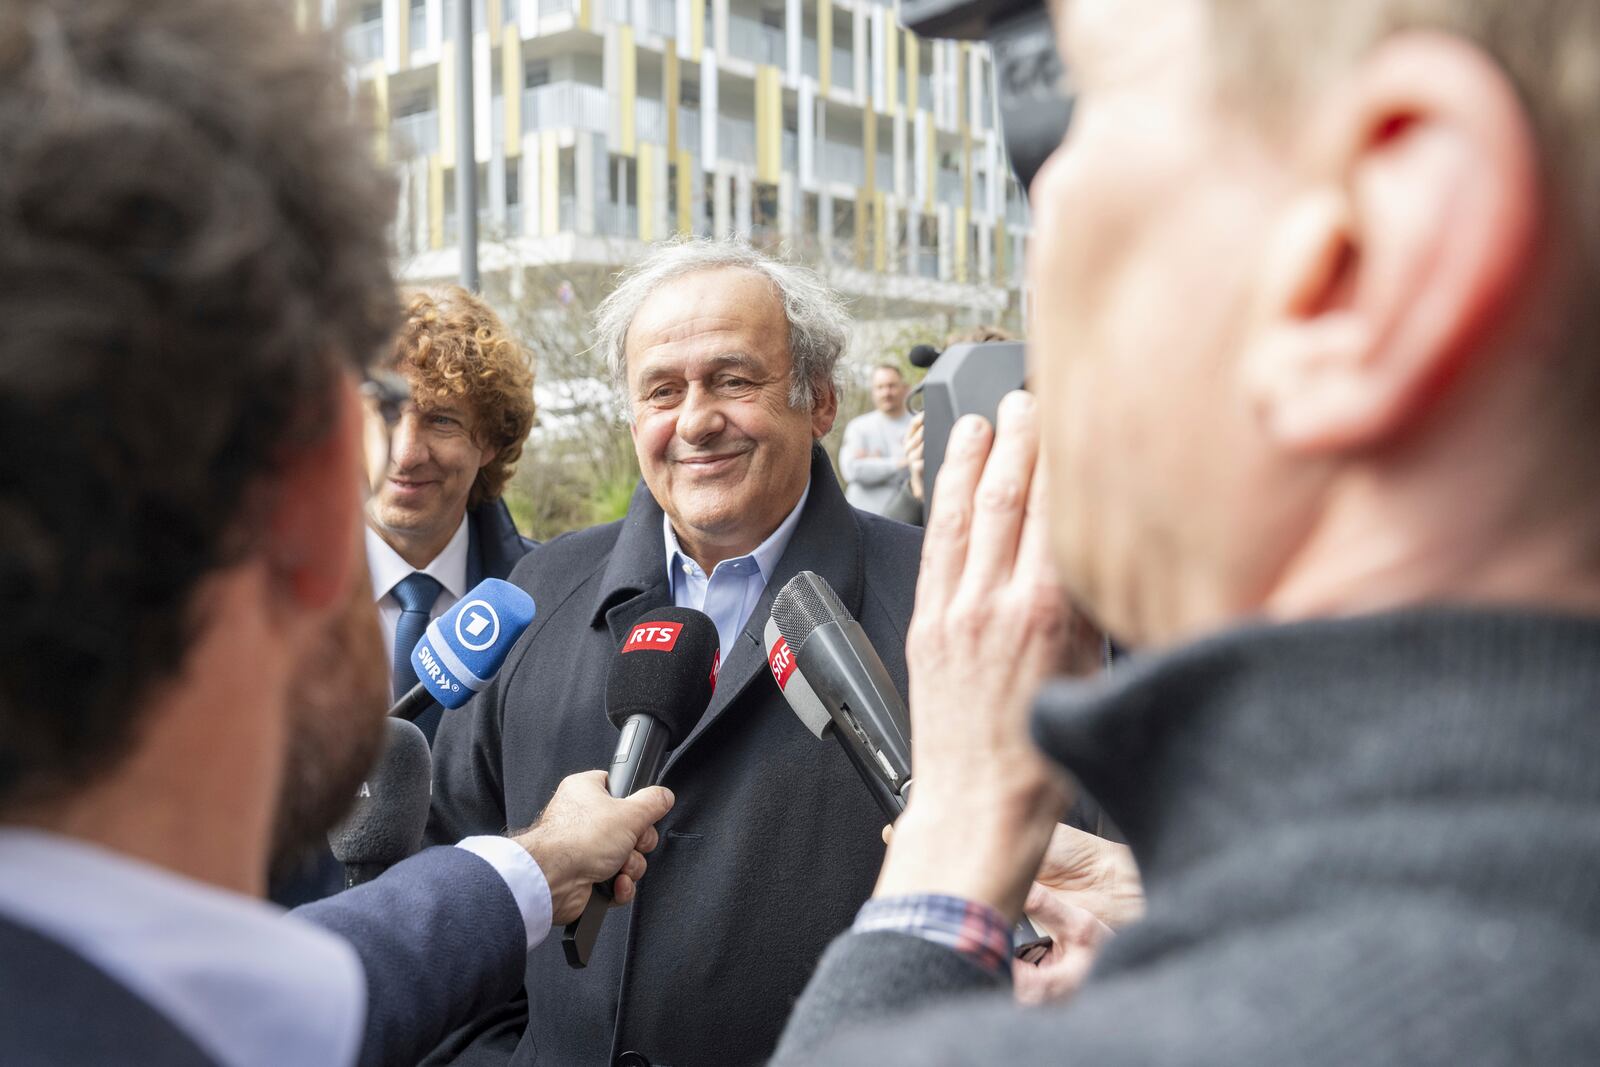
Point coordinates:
[(1261, 733)]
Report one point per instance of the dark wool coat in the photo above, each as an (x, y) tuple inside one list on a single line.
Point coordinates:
[(774, 842)]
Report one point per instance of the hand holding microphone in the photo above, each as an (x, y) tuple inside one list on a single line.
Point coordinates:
[(585, 837)]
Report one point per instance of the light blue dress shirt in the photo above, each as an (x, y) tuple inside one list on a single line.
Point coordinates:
[(734, 587)]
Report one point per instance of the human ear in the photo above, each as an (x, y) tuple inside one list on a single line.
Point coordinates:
[(823, 412), (314, 512), (1415, 231)]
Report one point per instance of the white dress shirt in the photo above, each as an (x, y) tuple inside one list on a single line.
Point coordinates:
[(734, 586), (247, 983), (449, 569)]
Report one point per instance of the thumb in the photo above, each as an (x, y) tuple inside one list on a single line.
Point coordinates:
[(651, 803), (1062, 920)]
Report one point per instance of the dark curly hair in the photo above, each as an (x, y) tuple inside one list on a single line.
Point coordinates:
[(193, 247), (453, 346)]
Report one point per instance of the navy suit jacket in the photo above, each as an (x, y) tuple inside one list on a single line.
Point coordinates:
[(440, 938)]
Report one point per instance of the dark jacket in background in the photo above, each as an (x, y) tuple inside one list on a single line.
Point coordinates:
[(774, 841), (1369, 841)]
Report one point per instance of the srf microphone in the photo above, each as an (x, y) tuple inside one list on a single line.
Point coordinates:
[(660, 683), (391, 810), (835, 681), (462, 650)]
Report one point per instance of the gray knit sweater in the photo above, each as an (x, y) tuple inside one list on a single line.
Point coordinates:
[(1369, 841)]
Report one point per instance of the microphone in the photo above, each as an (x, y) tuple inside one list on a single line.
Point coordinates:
[(922, 356), (391, 811), (835, 681), (462, 650), (659, 685)]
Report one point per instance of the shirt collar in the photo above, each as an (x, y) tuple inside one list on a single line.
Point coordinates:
[(245, 982), (449, 567), (766, 554)]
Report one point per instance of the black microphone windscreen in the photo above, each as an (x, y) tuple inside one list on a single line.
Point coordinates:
[(391, 810), (923, 356), (807, 602), (666, 668)]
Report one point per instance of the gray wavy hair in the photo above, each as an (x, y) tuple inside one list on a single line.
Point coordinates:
[(819, 325)]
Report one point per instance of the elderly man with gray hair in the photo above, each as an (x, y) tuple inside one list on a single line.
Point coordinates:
[(725, 360)]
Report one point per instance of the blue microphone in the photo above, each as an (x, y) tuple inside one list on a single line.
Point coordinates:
[(462, 650)]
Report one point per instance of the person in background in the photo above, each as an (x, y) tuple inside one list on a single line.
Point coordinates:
[(872, 455)]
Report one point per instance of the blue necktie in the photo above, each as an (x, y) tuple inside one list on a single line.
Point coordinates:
[(416, 594)]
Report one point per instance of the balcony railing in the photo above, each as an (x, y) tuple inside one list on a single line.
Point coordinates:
[(549, 8), (363, 42), (755, 41), (565, 104), (736, 140), (416, 134), (841, 163)]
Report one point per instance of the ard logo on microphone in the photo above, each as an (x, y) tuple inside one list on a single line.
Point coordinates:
[(653, 636)]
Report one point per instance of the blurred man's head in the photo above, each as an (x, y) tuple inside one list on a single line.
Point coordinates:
[(1312, 322), (726, 359), (193, 273), (889, 390), (458, 443)]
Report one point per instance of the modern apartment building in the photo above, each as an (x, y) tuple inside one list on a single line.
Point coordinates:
[(603, 124)]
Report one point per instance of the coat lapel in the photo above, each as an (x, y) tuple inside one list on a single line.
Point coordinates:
[(827, 540)]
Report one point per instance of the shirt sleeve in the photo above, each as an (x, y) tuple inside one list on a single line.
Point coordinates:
[(522, 876), (974, 930)]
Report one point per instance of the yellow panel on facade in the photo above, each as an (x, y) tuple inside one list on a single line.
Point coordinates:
[(585, 14), (1002, 253), (769, 124), (961, 245), (628, 84), (880, 219), (697, 29), (824, 45), (647, 191), (435, 201), (869, 154), (511, 91), (302, 14), (929, 169), (966, 170), (669, 93), (447, 101), (549, 183), (685, 192), (492, 14), (403, 34), (863, 219), (380, 110), (891, 69), (913, 71), (962, 63)]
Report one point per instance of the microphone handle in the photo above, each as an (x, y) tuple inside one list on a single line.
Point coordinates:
[(413, 704), (641, 753)]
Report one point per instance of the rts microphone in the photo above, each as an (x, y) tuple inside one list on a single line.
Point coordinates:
[(659, 685), (462, 650), (834, 680), (391, 808)]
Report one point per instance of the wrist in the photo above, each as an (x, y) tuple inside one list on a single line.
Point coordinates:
[(984, 853)]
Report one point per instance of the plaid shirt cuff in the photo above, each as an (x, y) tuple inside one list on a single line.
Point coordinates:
[(976, 931)]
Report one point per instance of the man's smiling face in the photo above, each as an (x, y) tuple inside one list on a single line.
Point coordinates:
[(709, 375)]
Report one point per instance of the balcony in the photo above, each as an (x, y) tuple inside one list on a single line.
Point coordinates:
[(561, 105), (415, 135), (841, 163), (658, 17), (550, 8), (736, 140), (843, 74), (756, 41), (363, 42)]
